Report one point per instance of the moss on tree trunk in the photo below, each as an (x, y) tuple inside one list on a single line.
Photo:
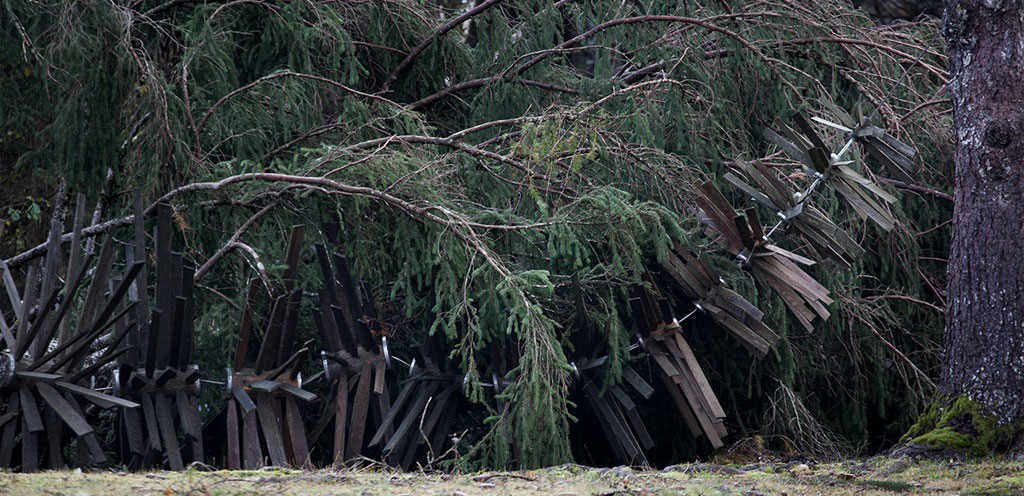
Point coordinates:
[(958, 427)]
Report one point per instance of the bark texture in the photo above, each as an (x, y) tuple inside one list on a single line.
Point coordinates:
[(985, 316)]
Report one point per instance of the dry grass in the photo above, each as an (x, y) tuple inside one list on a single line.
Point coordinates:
[(878, 476)]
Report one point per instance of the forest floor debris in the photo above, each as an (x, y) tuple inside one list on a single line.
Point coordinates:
[(863, 477)]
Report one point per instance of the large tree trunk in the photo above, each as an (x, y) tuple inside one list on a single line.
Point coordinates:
[(985, 317)]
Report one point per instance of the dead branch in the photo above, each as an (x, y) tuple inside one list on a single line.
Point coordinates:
[(917, 188), (232, 242), (320, 183)]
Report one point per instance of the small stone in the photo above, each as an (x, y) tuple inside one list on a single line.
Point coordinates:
[(485, 485)]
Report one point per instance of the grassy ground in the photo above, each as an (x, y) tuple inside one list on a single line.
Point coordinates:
[(861, 477)]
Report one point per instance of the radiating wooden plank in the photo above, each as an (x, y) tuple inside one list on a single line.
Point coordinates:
[(335, 336), (631, 444), (291, 259), (234, 448), (50, 275), (340, 420), (382, 408), (297, 392), (37, 376), (328, 333), (10, 429), (698, 374), (681, 406), (164, 281), (291, 319), (264, 386), (606, 427), (54, 440), (267, 356), (245, 402), (74, 265), (151, 423), (349, 301), (438, 408), (64, 409), (7, 417), (252, 454), (187, 338), (245, 330), (640, 429), (165, 421), (29, 448), (299, 455), (156, 316), (28, 301), (26, 339), (6, 334), (412, 416), (178, 322), (133, 431), (72, 346), (360, 406), (30, 410), (118, 294), (140, 287), (270, 425), (404, 394), (95, 452), (13, 295), (97, 287), (188, 414), (104, 401), (441, 432), (639, 384)]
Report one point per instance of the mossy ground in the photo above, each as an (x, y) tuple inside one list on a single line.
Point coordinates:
[(862, 477)]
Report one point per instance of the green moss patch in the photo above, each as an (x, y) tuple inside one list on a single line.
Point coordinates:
[(961, 425)]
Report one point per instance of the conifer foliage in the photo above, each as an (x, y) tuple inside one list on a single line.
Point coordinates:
[(498, 168)]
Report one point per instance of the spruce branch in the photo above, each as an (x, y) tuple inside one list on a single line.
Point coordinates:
[(399, 70)]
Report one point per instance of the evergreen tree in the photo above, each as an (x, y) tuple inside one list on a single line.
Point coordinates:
[(480, 156)]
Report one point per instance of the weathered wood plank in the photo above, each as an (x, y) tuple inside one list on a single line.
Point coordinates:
[(252, 454), (340, 420), (296, 435), (10, 429), (152, 427), (243, 398), (360, 406), (270, 425), (234, 448), (30, 410), (133, 431), (165, 421)]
